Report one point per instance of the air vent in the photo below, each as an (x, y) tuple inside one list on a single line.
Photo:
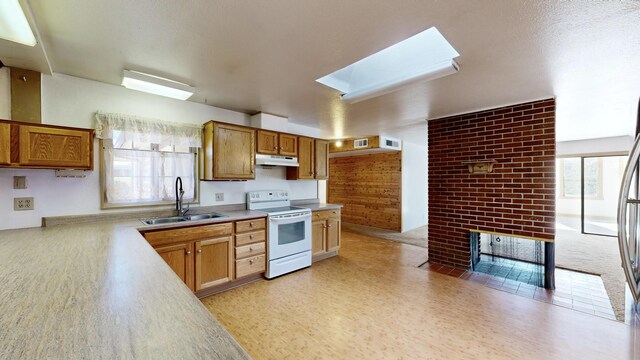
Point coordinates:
[(360, 143)]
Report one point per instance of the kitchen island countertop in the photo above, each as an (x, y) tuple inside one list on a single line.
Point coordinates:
[(99, 290)]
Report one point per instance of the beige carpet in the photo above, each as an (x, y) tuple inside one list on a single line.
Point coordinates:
[(417, 237), (596, 255)]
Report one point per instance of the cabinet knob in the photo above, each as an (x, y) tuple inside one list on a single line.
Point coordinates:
[(275, 148), (251, 262), (328, 226), (188, 252), (251, 236), (317, 215), (199, 251), (250, 249), (334, 212), (250, 224)]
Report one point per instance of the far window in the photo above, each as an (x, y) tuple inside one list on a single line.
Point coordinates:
[(571, 174), (140, 167)]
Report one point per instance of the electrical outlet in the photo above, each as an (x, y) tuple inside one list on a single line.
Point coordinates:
[(23, 203), (219, 196)]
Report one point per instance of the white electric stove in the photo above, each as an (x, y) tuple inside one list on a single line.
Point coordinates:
[(289, 230)]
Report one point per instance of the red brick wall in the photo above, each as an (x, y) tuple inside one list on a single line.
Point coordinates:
[(517, 198)]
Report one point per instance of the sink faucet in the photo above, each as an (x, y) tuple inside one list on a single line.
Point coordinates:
[(179, 195)]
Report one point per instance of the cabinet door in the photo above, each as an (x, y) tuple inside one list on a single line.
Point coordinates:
[(180, 259), (267, 142), (318, 235), (56, 148), (322, 160), (214, 262), (333, 234), (5, 144), (233, 152), (305, 158), (288, 145)]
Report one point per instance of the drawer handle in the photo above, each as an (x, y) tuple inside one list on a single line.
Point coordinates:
[(334, 212)]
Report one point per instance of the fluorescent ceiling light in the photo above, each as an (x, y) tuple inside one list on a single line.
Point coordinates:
[(156, 85), (14, 25), (422, 57)]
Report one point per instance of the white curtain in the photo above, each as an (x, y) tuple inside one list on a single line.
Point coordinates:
[(143, 157), (124, 129)]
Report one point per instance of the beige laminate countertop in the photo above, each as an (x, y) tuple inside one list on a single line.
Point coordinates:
[(319, 206), (100, 291)]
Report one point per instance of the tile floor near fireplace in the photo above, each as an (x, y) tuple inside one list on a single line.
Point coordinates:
[(575, 290)]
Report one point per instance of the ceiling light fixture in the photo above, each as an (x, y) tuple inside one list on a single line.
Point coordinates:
[(156, 85), (14, 25)]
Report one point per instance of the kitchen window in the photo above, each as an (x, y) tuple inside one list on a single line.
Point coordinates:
[(141, 159)]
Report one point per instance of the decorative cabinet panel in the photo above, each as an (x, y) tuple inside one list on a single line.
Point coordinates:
[(45, 146), (321, 159), (5, 144), (229, 152), (288, 145), (306, 160), (267, 142), (214, 262), (179, 257), (325, 233), (273, 143)]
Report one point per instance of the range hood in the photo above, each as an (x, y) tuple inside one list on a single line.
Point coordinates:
[(276, 160)]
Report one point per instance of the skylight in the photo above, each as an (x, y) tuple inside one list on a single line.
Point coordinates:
[(422, 57), (14, 25)]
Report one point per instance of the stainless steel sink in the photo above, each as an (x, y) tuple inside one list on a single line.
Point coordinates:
[(205, 216), (167, 220), (175, 219)]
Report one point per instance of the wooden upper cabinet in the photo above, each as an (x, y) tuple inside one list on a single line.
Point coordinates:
[(55, 147), (24, 145), (179, 257), (321, 159), (229, 152), (5, 144), (267, 142), (288, 145), (306, 157), (214, 262)]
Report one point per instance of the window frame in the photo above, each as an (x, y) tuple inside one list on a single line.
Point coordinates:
[(598, 196), (105, 205)]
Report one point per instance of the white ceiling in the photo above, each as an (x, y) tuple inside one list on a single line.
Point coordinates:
[(265, 55)]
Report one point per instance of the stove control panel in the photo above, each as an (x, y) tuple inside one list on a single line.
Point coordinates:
[(267, 195)]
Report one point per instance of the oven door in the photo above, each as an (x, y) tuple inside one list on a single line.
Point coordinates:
[(289, 234)]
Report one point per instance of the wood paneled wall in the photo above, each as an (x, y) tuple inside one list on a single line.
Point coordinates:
[(369, 187)]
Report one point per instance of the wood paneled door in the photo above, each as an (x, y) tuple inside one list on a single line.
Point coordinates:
[(318, 237), (306, 161), (179, 257), (5, 144), (267, 142), (333, 234), (288, 145), (214, 262), (53, 147), (321, 159), (229, 150)]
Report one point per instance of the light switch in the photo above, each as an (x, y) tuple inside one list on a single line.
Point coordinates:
[(19, 182), (219, 196)]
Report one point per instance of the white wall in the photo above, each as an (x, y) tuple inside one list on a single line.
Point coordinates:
[(72, 101), (414, 174)]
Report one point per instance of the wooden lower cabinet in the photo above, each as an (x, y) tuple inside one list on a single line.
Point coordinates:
[(210, 258), (179, 257), (325, 233), (214, 262)]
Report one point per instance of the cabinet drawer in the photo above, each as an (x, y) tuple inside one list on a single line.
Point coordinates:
[(326, 214), (251, 265), (250, 225), (250, 250), (169, 236), (253, 237)]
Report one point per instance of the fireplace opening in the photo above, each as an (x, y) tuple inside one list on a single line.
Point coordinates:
[(525, 260)]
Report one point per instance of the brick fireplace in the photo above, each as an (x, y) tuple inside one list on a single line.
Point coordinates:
[(517, 197)]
